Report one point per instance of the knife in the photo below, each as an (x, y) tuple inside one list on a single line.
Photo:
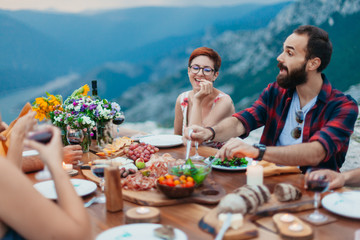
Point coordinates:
[(224, 227)]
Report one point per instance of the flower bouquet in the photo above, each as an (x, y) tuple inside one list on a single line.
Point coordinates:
[(79, 111)]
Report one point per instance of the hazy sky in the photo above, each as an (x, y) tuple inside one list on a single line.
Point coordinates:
[(84, 5)]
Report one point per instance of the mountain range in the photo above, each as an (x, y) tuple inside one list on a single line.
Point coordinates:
[(139, 56), (121, 48), (249, 58)]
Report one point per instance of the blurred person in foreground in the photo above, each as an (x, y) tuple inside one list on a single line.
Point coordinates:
[(307, 122), (72, 153), (204, 105), (337, 179), (24, 212)]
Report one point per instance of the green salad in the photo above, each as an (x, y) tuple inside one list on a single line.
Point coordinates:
[(234, 162), (196, 171)]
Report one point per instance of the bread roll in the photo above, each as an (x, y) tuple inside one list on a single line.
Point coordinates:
[(232, 203), (254, 196), (286, 192)]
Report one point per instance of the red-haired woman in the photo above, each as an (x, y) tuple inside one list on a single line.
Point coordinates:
[(204, 105)]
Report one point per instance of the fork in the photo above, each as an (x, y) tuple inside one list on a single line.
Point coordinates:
[(90, 202)]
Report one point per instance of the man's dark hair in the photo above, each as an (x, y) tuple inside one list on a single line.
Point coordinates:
[(319, 44)]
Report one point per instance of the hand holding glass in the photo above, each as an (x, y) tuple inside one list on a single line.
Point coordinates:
[(75, 137), (317, 184)]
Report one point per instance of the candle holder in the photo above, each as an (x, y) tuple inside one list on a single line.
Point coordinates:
[(142, 215)]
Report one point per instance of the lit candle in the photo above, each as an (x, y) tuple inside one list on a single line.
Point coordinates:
[(296, 227), (67, 167), (287, 218), (142, 210), (254, 174)]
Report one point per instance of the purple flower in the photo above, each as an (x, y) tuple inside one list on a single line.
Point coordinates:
[(92, 106)]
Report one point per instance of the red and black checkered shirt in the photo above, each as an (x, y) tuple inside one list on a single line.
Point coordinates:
[(330, 121)]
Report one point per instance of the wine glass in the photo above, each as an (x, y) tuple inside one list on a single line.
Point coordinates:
[(75, 137), (196, 156), (118, 121), (42, 134), (317, 185), (99, 171)]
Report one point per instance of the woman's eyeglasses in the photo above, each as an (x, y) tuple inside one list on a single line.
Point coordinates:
[(206, 70), (299, 117)]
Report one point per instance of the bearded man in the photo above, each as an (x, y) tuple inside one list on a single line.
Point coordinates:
[(307, 122)]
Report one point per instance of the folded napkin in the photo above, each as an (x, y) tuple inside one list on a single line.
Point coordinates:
[(271, 169), (4, 145)]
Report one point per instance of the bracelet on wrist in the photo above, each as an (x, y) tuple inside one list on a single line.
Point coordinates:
[(213, 133)]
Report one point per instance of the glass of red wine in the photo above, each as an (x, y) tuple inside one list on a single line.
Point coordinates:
[(99, 171), (318, 185), (117, 122), (75, 137), (42, 134)]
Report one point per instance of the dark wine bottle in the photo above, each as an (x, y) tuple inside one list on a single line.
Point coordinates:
[(94, 89), (94, 96)]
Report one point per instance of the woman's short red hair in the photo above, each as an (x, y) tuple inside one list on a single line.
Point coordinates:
[(205, 51)]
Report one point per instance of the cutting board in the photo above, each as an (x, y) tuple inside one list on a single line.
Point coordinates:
[(210, 223), (209, 193)]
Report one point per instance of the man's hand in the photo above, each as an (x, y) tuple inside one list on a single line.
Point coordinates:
[(335, 179), (72, 153), (235, 147)]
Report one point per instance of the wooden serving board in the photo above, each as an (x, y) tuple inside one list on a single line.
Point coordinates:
[(210, 223), (209, 193)]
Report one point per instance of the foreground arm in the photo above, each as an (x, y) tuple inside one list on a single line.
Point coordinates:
[(19, 132), (35, 217), (304, 154)]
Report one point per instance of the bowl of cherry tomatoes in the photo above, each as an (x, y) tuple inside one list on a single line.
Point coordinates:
[(176, 187)]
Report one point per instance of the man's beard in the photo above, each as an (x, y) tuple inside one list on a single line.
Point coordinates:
[(294, 78)]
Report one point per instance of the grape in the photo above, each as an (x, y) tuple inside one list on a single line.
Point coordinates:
[(141, 150)]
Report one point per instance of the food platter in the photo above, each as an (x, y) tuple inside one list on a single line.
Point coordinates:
[(136, 231), (344, 204), (163, 141), (232, 168), (82, 188)]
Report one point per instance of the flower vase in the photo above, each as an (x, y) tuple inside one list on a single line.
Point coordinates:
[(104, 133), (85, 144)]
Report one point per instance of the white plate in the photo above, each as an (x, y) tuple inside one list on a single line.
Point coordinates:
[(82, 187), (163, 141), (135, 232), (29, 153), (232, 168), (344, 204)]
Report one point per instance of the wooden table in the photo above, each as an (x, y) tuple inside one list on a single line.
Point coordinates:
[(187, 216)]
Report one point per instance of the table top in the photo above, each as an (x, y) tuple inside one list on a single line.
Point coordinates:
[(187, 216)]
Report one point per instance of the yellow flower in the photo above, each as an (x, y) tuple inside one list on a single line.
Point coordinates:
[(86, 89)]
